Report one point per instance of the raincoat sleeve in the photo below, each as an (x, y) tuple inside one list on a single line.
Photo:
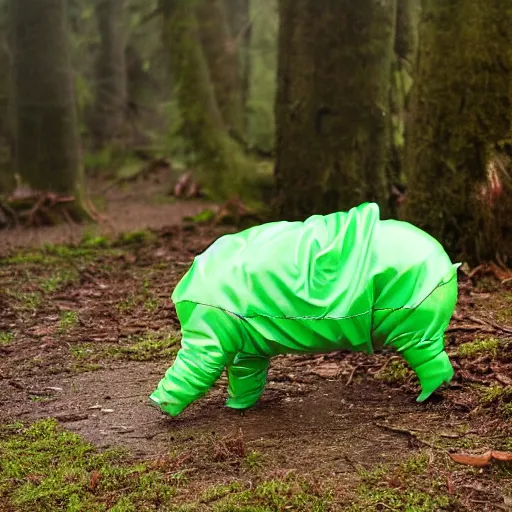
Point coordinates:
[(207, 347)]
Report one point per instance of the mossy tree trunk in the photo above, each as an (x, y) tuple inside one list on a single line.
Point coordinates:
[(239, 15), (217, 158), (402, 68), (111, 86), (220, 50), (332, 104), (6, 128), (47, 141), (406, 36), (460, 109), (263, 62)]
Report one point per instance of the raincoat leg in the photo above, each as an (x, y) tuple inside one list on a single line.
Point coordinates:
[(247, 377), (427, 355), (208, 345)]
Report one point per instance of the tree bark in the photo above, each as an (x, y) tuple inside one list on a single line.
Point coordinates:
[(220, 50), (461, 108), (406, 37), (47, 142), (111, 86), (6, 128), (332, 104)]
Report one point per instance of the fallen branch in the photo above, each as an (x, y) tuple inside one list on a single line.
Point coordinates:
[(490, 324)]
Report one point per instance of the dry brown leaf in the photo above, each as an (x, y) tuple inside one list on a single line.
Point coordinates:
[(327, 371), (95, 477), (502, 456), (482, 460), (478, 461)]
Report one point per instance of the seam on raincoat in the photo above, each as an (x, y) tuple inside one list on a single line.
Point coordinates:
[(370, 311)]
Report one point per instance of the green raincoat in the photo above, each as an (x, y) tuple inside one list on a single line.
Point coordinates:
[(345, 281)]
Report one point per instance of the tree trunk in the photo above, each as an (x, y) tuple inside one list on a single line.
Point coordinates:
[(239, 16), (217, 158), (406, 37), (111, 87), (461, 108), (263, 62), (402, 68), (332, 104), (47, 142), (6, 128), (220, 50)]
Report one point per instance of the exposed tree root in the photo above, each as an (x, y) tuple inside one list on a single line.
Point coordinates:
[(31, 208)]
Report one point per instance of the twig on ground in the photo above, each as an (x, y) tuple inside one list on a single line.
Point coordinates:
[(410, 433), (491, 324), (352, 375)]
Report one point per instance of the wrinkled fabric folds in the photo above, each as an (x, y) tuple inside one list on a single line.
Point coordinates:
[(345, 281)]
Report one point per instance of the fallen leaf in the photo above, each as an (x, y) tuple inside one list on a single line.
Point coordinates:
[(478, 461), (482, 460), (327, 371), (95, 477), (502, 456)]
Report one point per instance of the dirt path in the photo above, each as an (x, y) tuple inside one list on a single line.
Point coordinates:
[(87, 332), (144, 205)]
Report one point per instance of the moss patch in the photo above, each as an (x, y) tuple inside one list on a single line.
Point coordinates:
[(45, 468), (148, 347), (475, 348), (290, 493), (408, 487), (6, 337), (499, 397), (68, 320), (395, 372)]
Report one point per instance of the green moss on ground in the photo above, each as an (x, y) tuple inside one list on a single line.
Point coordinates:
[(45, 468)]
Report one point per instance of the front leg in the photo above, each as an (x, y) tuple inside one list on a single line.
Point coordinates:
[(208, 345)]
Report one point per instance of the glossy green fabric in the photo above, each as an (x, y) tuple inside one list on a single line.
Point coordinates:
[(342, 281)]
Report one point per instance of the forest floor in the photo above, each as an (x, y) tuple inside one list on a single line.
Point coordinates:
[(87, 329)]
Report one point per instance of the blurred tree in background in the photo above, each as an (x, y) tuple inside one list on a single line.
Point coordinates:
[(332, 104), (461, 112), (6, 114), (240, 25), (220, 49), (45, 116), (110, 80)]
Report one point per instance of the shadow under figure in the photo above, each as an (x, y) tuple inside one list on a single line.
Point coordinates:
[(344, 281)]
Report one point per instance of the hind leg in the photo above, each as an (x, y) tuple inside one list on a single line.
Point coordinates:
[(423, 347), (247, 376)]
